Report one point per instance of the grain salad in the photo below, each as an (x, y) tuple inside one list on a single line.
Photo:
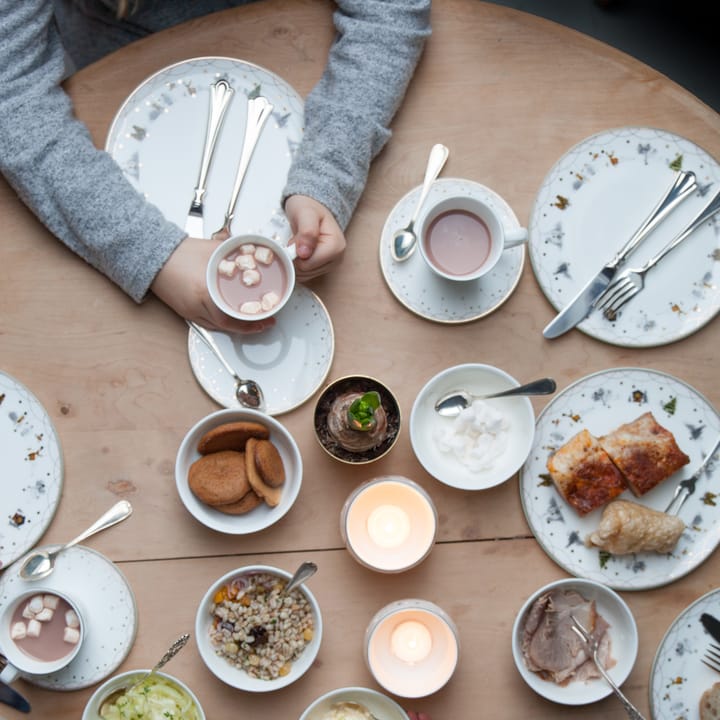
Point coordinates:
[(258, 629)]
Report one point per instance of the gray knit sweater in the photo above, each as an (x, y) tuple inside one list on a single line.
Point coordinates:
[(79, 192)]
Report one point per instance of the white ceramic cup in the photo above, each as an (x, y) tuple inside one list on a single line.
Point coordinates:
[(467, 253), (20, 661), (284, 254)]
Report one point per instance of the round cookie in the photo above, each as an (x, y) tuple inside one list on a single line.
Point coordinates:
[(231, 436), (245, 504), (219, 478), (271, 495), (268, 462)]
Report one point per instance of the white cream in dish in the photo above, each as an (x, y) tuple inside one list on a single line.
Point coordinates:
[(477, 437)]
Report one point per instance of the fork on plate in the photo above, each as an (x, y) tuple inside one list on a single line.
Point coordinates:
[(685, 488), (712, 658), (631, 281), (593, 645)]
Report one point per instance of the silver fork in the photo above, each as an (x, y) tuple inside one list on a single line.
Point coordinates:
[(631, 281), (686, 488), (712, 658), (593, 645)]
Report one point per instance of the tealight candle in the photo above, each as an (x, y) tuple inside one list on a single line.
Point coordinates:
[(389, 524), (411, 648)]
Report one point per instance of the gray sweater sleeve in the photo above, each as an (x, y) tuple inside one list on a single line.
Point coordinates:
[(48, 157), (347, 114)]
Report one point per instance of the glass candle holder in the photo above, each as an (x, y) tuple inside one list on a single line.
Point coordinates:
[(411, 648), (389, 524)]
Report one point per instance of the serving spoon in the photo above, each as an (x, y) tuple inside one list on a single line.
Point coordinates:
[(41, 563), (453, 403), (172, 651), (305, 571), (248, 392), (405, 240)]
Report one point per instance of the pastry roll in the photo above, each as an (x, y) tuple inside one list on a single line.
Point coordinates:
[(626, 527)]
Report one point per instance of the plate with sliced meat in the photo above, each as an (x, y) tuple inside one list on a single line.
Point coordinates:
[(608, 454)]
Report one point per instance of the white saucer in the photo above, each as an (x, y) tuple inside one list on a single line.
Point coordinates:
[(421, 291), (290, 361), (108, 607), (32, 469)]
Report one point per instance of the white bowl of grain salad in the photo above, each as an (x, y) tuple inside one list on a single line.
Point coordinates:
[(251, 635)]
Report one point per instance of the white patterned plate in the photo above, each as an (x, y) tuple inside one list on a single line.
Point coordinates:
[(589, 205), (107, 604), (158, 134), (426, 294), (678, 678), (289, 361), (32, 474), (599, 403)]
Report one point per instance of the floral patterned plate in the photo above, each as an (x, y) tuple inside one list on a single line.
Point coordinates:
[(426, 294), (157, 138), (590, 203), (599, 403), (678, 678), (32, 469)]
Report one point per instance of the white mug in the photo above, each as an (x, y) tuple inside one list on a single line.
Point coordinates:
[(462, 238), (20, 661), (242, 291)]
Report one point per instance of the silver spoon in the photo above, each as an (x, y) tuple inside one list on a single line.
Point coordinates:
[(172, 651), (248, 392), (305, 571), (41, 563), (404, 241), (452, 403)]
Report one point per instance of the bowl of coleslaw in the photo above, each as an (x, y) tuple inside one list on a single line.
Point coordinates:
[(158, 697)]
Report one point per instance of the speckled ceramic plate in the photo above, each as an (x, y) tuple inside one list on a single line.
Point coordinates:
[(589, 205), (678, 677), (599, 403), (426, 294), (108, 607), (32, 476), (290, 361), (158, 134)]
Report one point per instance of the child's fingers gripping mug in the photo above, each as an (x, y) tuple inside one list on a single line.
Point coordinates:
[(250, 277), (462, 238), (40, 633)]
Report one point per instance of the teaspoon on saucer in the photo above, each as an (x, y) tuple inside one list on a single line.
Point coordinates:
[(452, 403), (248, 392), (404, 240), (40, 564)]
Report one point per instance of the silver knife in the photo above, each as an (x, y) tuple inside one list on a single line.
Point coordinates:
[(13, 698), (579, 307), (220, 95), (712, 625)]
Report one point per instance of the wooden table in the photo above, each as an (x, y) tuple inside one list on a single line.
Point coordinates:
[(508, 93)]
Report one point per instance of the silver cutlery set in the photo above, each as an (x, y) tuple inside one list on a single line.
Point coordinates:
[(258, 111), (611, 288)]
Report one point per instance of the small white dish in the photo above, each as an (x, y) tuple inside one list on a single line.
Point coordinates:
[(289, 361), (126, 679), (260, 517), (236, 677), (108, 608), (623, 644), (426, 423), (378, 704), (424, 293)]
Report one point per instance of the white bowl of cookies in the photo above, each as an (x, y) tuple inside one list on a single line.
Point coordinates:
[(238, 471), (253, 635)]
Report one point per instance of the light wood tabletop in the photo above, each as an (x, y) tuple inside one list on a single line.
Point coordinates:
[(508, 93)]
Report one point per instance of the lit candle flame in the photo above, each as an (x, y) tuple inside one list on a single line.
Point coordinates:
[(388, 526), (411, 642)]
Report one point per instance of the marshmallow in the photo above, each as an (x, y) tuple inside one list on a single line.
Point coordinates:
[(247, 249), (36, 604), (34, 628), (250, 278), (27, 612), (18, 631), (51, 601), (71, 619), (45, 615), (264, 255), (269, 300), (251, 307), (245, 262), (71, 635), (227, 268)]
